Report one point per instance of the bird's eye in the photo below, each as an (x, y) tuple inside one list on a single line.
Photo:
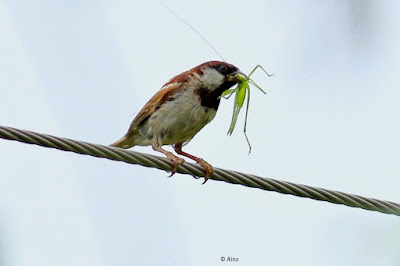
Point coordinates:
[(222, 68)]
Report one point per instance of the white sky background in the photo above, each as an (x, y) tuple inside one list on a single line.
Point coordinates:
[(82, 69)]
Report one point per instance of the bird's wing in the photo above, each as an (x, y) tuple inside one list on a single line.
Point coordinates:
[(165, 94)]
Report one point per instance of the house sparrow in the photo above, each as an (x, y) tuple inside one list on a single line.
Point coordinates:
[(180, 109)]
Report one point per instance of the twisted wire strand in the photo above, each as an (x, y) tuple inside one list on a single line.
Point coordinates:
[(229, 176)]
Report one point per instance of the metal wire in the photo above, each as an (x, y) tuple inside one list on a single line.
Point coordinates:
[(232, 177)]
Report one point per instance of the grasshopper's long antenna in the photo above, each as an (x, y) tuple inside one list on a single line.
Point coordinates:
[(190, 26)]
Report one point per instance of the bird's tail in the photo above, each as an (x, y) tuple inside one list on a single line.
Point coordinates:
[(125, 142)]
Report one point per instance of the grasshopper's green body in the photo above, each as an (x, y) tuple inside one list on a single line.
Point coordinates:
[(241, 90)]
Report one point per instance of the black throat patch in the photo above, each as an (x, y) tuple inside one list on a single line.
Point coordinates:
[(212, 98)]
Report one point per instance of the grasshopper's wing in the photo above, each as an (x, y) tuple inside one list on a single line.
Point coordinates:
[(165, 94)]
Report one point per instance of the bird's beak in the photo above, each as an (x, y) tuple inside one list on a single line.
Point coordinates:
[(237, 76)]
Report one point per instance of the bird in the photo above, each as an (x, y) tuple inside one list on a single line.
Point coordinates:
[(179, 110)]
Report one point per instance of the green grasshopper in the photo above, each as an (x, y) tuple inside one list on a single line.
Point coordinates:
[(241, 90)]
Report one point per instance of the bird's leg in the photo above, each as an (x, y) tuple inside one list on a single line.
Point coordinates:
[(208, 169), (176, 161)]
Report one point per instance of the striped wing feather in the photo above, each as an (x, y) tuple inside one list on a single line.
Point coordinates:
[(166, 93)]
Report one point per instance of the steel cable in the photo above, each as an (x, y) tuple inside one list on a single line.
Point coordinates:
[(229, 176)]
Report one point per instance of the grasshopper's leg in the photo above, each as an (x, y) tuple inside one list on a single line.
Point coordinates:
[(245, 120), (259, 66)]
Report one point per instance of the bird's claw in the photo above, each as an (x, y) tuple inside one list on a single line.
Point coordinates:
[(176, 161), (208, 169)]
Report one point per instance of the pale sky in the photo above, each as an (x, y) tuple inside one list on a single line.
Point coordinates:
[(331, 119)]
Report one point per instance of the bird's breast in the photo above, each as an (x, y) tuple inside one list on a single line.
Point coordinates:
[(178, 120)]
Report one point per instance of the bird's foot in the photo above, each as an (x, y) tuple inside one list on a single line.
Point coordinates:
[(176, 161), (208, 169)]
